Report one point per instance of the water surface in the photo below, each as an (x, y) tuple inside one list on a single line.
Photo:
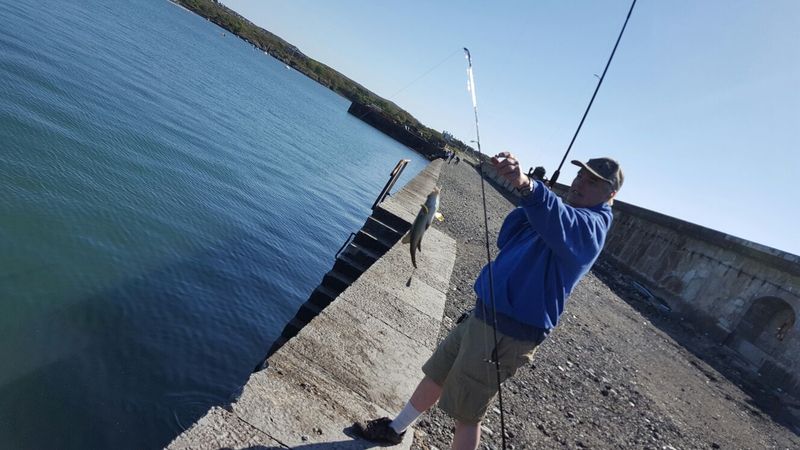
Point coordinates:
[(169, 196)]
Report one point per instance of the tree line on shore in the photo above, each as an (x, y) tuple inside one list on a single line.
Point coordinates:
[(278, 48)]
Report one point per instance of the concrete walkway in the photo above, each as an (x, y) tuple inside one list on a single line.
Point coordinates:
[(360, 358)]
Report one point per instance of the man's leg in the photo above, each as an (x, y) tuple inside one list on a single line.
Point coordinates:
[(426, 394), (391, 431), (467, 436), (472, 382)]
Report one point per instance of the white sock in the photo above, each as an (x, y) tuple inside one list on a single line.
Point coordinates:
[(404, 420)]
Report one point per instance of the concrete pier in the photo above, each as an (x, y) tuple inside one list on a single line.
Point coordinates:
[(359, 358)]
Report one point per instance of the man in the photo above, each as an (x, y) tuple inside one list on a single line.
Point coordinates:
[(546, 246)]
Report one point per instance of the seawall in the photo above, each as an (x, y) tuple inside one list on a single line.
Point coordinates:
[(406, 136), (744, 295), (358, 357)]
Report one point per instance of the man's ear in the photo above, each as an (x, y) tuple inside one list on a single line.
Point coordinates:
[(611, 197)]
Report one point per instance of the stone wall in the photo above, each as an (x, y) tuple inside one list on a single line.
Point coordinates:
[(744, 295)]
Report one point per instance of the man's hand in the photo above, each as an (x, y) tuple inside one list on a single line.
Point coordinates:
[(508, 167)]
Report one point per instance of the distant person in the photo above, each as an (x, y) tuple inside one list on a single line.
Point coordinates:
[(457, 159), (537, 173), (546, 245)]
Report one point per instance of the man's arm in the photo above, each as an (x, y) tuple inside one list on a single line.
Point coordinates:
[(514, 222), (507, 166), (575, 234)]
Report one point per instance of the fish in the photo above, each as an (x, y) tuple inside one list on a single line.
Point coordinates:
[(427, 213)]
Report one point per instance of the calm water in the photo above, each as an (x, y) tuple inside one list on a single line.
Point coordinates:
[(168, 197)]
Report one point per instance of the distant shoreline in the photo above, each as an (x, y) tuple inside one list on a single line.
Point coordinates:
[(174, 2), (290, 55)]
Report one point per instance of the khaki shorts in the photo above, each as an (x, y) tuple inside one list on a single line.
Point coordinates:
[(462, 365)]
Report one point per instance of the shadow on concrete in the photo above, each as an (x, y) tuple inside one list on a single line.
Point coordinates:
[(355, 443), (338, 445), (763, 399)]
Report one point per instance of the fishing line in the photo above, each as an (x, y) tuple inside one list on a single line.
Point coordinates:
[(427, 72), (414, 81), (553, 179), (494, 356)]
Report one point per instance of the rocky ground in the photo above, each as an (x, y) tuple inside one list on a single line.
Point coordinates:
[(616, 373)]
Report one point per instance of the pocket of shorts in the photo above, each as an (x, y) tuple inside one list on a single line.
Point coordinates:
[(472, 397), (522, 354)]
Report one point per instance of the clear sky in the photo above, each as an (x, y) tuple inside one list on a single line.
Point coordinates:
[(701, 105)]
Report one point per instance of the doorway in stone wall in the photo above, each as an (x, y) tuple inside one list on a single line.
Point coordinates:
[(762, 330)]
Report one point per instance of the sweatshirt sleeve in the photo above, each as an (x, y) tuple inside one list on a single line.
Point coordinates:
[(573, 234), (513, 224)]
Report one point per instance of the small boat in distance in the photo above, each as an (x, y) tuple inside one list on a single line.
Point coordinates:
[(288, 67)]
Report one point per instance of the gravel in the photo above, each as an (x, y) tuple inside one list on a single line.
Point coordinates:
[(616, 373)]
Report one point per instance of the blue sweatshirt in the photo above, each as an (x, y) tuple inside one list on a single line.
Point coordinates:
[(546, 247)]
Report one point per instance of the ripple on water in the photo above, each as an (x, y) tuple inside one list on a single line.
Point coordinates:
[(170, 199)]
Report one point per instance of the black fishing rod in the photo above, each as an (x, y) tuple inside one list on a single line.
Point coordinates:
[(494, 356), (554, 178)]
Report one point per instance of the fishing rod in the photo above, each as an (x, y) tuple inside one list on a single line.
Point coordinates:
[(494, 356), (554, 178)]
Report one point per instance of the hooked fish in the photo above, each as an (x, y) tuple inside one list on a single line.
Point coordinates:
[(422, 222)]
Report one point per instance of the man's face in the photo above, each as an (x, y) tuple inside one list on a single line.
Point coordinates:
[(587, 190)]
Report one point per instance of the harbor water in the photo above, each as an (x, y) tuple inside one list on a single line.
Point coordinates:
[(169, 196)]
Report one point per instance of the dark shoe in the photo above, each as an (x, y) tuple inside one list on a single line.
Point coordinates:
[(378, 431)]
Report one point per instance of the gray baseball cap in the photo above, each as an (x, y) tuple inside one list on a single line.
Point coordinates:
[(604, 168)]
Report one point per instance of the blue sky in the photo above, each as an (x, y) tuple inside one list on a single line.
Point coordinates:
[(701, 105)]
